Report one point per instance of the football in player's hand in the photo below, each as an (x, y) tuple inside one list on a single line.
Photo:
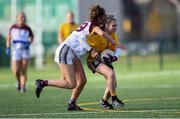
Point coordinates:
[(107, 53), (108, 56)]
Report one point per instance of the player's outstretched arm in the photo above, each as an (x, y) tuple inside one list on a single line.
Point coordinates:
[(99, 31), (121, 46)]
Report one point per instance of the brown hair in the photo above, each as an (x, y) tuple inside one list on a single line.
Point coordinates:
[(97, 15)]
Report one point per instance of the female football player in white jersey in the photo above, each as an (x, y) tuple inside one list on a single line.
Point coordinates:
[(19, 39), (68, 54), (105, 67)]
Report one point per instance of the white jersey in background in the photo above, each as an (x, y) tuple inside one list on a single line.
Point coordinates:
[(20, 36), (20, 41)]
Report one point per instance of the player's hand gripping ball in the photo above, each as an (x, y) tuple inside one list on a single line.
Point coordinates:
[(108, 56)]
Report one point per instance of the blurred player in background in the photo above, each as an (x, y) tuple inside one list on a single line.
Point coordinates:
[(67, 28), (105, 67), (19, 39), (68, 57)]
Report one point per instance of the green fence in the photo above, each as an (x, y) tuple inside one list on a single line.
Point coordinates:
[(53, 14)]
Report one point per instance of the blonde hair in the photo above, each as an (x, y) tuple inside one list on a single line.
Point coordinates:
[(21, 13), (110, 18)]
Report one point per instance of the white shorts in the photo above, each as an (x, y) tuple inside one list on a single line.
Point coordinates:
[(18, 54), (64, 54)]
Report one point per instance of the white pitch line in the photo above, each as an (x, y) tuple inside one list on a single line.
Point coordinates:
[(38, 114), (177, 111), (134, 100)]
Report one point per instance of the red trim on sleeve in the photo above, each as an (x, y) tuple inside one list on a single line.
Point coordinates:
[(13, 26), (93, 24), (30, 31), (25, 27)]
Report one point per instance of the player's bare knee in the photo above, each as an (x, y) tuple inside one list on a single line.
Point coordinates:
[(17, 72), (83, 82), (23, 72), (110, 74), (72, 84)]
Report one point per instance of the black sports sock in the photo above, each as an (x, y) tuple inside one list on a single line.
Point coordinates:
[(71, 101), (104, 100), (114, 98), (45, 83)]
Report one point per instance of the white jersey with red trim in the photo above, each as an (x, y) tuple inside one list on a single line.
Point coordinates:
[(83, 29), (20, 41), (20, 35), (77, 41)]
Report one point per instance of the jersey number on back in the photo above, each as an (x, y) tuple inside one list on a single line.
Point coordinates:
[(82, 27)]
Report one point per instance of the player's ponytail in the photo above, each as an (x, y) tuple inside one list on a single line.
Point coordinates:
[(97, 15)]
